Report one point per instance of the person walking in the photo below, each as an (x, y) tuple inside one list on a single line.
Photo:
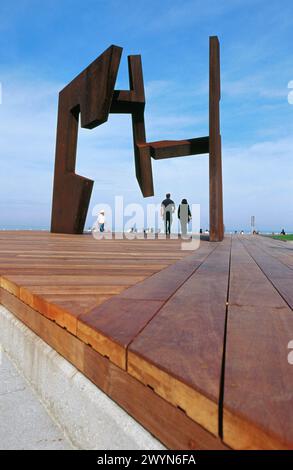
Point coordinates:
[(184, 215), (167, 210), (99, 225)]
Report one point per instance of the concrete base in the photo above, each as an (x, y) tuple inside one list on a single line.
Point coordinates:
[(87, 416), (25, 423)]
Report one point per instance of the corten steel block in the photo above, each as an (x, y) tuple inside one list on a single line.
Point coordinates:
[(215, 158), (91, 94), (133, 102)]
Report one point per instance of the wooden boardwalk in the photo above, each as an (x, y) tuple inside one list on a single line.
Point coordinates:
[(194, 345)]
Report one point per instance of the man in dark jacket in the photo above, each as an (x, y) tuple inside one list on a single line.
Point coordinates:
[(167, 209)]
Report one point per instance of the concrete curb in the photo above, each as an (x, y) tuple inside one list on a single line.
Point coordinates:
[(86, 415)]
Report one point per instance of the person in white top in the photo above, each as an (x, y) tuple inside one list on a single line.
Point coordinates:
[(99, 225)]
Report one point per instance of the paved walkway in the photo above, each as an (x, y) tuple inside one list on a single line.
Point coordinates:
[(24, 423)]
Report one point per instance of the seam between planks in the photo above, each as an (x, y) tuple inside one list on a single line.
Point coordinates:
[(132, 411), (165, 301), (222, 377), (266, 251), (264, 273)]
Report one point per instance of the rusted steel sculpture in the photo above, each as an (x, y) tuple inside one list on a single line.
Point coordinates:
[(92, 95)]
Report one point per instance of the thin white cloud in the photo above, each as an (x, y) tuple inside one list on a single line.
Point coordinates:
[(257, 178), (191, 12), (252, 85)]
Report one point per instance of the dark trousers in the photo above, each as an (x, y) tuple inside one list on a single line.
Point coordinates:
[(168, 223)]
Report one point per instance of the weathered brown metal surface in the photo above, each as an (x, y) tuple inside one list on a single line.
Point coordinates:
[(91, 94), (88, 95), (215, 160)]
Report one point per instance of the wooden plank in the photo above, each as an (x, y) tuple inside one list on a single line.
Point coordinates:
[(63, 309), (54, 335), (271, 266), (280, 275), (179, 353), (51, 271), (54, 272), (258, 399), (164, 283), (282, 251), (172, 427), (59, 279), (112, 326), (274, 245), (166, 422), (74, 290)]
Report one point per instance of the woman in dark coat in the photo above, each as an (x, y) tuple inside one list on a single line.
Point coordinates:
[(184, 215)]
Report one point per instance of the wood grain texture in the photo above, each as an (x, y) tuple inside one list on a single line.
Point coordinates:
[(63, 277), (164, 283), (112, 326), (277, 270), (179, 353), (279, 249), (258, 397), (172, 427), (159, 313)]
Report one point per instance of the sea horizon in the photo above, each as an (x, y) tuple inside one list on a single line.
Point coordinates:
[(246, 230)]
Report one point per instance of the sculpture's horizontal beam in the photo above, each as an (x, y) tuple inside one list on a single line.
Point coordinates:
[(177, 148), (124, 102), (129, 101)]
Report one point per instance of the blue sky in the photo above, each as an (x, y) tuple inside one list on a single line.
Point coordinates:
[(46, 44)]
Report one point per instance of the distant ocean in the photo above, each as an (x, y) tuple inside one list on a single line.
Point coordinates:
[(246, 230)]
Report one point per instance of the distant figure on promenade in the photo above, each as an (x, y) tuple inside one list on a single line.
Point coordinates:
[(283, 232), (167, 210), (99, 225), (184, 215)]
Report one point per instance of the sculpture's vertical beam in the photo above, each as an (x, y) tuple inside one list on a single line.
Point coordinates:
[(88, 97), (143, 164), (215, 158), (71, 194)]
